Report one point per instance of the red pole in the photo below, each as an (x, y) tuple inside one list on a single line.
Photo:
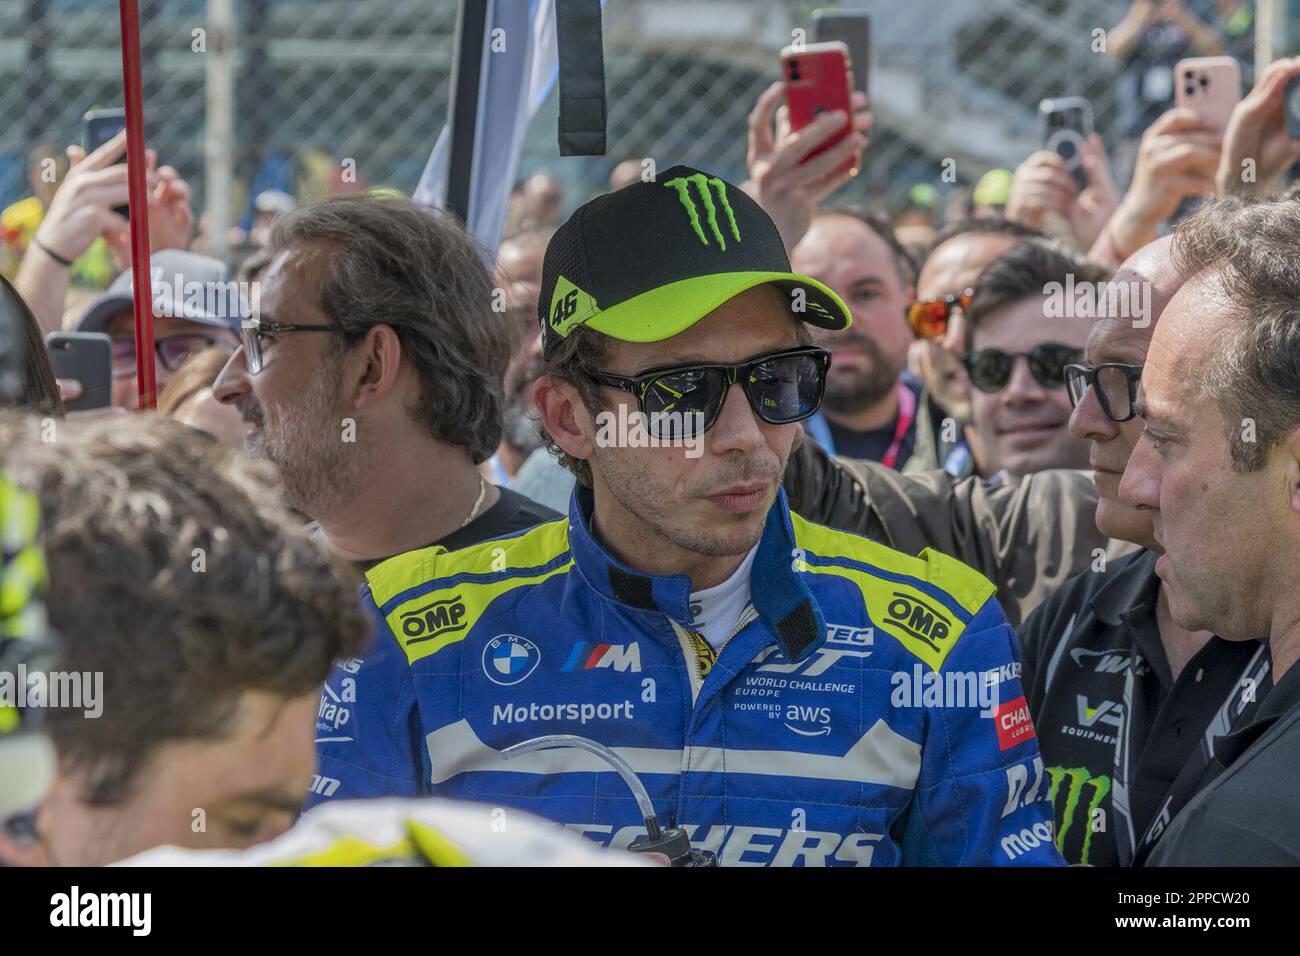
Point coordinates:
[(142, 284)]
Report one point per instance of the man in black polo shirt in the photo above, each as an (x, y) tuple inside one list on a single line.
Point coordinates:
[(1125, 701), (1218, 468)]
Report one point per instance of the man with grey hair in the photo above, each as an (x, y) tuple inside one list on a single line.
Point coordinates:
[(1218, 468), (373, 378)]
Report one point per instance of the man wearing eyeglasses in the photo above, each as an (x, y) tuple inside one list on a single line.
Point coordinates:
[(1023, 327), (774, 683), (1124, 699), (195, 305), (372, 379)]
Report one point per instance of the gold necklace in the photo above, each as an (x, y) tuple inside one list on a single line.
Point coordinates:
[(482, 493)]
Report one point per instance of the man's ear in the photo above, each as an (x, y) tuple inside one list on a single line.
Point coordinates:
[(566, 419), (1289, 447), (374, 366)]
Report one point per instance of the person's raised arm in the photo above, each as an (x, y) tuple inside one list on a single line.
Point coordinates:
[(83, 209), (1177, 158), (786, 189), (1257, 148), (1044, 194), (1122, 39)]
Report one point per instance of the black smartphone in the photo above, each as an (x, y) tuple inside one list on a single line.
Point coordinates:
[(87, 357), (1067, 124), (101, 126), (854, 31)]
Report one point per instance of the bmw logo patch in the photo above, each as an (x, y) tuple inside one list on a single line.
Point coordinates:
[(509, 659)]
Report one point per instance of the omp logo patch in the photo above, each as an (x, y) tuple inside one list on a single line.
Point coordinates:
[(432, 620), (923, 627), (570, 306)]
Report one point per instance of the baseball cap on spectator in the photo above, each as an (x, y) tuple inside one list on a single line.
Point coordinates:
[(175, 271), (993, 189)]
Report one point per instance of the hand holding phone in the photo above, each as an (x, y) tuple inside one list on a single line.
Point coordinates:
[(817, 83), (102, 126), (86, 358), (1067, 125)]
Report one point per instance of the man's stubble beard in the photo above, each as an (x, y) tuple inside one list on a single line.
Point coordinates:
[(861, 391), (652, 506), (319, 471)]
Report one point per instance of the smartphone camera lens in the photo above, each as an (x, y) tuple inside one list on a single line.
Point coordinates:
[(1205, 81), (1189, 90)]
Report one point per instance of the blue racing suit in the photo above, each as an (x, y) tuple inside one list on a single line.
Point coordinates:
[(867, 709)]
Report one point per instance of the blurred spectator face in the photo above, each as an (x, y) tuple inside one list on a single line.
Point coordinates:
[(294, 405), (847, 255), (519, 272), (1023, 425), (249, 782), (519, 268), (200, 728), (543, 197), (177, 339), (202, 411), (951, 270)]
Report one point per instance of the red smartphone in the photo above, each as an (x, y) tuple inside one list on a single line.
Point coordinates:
[(817, 81)]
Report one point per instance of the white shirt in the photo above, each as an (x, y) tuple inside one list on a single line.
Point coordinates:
[(717, 609)]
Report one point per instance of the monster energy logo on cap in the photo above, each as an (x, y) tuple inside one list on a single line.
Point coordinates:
[(703, 183)]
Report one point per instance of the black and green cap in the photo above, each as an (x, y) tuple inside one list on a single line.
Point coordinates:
[(651, 259)]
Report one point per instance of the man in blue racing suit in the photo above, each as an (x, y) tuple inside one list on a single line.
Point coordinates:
[(789, 694)]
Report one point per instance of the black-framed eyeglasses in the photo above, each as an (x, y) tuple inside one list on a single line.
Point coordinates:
[(990, 369), (252, 332), (172, 351), (1115, 383), (681, 401)]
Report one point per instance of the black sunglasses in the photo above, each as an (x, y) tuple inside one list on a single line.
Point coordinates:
[(252, 331), (990, 369), (685, 400), (1115, 384), (172, 351)]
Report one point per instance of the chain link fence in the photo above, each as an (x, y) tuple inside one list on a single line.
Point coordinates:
[(327, 91)]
